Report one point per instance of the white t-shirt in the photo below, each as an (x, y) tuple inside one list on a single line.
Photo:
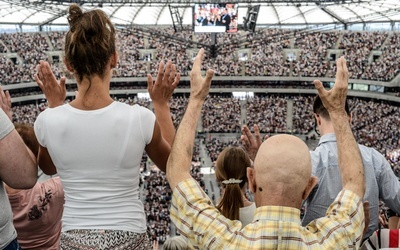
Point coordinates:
[(246, 214), (97, 154)]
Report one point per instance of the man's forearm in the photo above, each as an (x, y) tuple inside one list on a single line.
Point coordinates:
[(163, 116), (350, 162), (180, 158)]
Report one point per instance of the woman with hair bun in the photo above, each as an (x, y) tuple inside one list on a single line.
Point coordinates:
[(230, 171), (96, 144)]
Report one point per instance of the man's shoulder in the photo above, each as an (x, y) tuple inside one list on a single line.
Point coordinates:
[(371, 154)]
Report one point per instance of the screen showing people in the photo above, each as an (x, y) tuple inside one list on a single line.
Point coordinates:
[(215, 17)]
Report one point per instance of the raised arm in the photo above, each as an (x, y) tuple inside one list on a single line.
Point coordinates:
[(164, 131), (160, 93), (179, 161), (350, 163)]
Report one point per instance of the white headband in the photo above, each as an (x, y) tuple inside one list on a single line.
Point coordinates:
[(231, 181)]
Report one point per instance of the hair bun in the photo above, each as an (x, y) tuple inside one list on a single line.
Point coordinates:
[(75, 14)]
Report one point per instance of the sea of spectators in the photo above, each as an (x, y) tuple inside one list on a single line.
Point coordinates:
[(157, 200), (313, 58), (266, 52), (357, 48), (303, 117), (387, 66), (215, 145), (267, 56), (268, 112), (222, 114), (177, 106)]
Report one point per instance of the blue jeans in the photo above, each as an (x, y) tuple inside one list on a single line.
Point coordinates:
[(13, 246)]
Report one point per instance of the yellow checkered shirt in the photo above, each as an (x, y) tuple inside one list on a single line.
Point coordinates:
[(273, 227)]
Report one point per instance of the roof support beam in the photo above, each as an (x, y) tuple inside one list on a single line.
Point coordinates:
[(358, 16), (60, 14), (137, 13), (159, 14), (276, 14), (324, 9)]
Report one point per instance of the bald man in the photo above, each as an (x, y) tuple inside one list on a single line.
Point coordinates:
[(280, 180)]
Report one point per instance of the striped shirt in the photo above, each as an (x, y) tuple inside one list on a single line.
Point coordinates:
[(273, 227)]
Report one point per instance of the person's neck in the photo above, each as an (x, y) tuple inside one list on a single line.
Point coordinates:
[(93, 93), (327, 128), (277, 200)]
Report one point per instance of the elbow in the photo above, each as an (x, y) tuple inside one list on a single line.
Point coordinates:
[(31, 177)]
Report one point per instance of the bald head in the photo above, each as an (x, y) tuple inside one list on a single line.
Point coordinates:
[(282, 168)]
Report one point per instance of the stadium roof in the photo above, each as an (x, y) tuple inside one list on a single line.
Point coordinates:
[(144, 12)]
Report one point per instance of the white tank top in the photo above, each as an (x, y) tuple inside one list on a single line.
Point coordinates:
[(97, 154)]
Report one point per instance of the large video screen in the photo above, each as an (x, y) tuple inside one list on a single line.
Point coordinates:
[(221, 17)]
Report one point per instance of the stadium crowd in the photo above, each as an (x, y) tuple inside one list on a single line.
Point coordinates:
[(266, 52)]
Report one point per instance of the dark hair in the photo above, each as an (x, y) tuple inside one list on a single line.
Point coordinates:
[(90, 42), (232, 162), (28, 136), (319, 109)]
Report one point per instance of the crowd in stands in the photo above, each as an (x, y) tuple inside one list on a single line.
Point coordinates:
[(222, 114), (303, 117), (267, 57), (313, 58), (269, 52), (178, 106), (387, 66), (269, 113), (357, 48), (216, 145), (157, 198), (9, 72)]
